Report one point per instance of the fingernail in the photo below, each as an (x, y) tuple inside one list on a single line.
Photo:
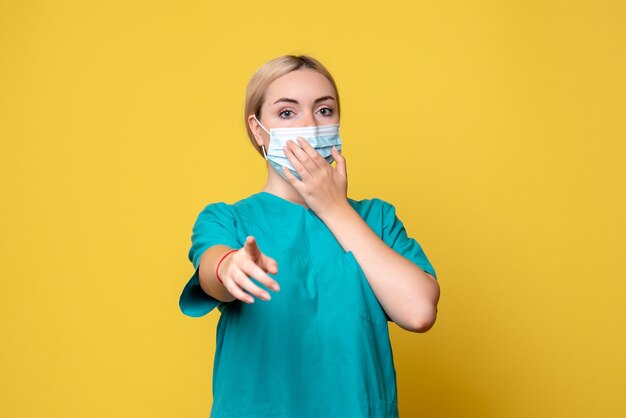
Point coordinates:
[(266, 296), (275, 287)]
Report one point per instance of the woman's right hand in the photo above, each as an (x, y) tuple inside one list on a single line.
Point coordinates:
[(237, 268)]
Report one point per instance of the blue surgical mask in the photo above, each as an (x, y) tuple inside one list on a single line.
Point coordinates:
[(322, 138)]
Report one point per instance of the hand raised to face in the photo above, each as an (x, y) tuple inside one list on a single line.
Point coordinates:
[(321, 186)]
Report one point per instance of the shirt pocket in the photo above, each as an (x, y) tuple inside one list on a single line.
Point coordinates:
[(359, 296)]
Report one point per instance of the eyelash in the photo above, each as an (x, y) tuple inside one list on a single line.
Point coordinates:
[(327, 108), (280, 115)]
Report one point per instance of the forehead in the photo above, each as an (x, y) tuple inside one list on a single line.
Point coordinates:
[(302, 84)]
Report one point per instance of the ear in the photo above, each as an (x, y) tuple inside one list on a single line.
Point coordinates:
[(256, 130)]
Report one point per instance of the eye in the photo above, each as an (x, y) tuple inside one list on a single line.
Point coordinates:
[(326, 111), (285, 114)]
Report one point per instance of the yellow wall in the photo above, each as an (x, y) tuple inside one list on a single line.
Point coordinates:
[(496, 128)]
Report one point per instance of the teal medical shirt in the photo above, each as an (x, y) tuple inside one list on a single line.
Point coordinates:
[(320, 347)]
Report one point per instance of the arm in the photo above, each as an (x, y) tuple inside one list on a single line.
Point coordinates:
[(206, 273), (411, 298)]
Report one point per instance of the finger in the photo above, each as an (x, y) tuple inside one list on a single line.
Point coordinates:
[(257, 273), (269, 264), (302, 155), (236, 291), (341, 162), (251, 248), (314, 156), (295, 161), (291, 178), (244, 282)]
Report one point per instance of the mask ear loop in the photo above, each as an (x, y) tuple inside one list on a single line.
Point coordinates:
[(263, 127)]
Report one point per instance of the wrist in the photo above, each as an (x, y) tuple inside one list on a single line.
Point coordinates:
[(220, 262), (337, 213)]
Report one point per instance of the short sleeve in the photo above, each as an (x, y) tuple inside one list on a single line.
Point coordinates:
[(394, 235), (216, 224)]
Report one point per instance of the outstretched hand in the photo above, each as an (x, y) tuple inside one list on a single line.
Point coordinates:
[(236, 270), (322, 187)]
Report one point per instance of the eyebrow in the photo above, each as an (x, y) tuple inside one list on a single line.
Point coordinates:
[(288, 100)]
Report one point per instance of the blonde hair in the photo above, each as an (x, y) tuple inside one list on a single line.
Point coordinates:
[(270, 71)]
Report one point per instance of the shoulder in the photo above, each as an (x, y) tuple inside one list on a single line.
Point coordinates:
[(225, 208), (377, 213), (372, 207), (220, 210), (216, 210), (237, 210)]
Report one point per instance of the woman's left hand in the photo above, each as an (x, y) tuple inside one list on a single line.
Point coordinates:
[(322, 187)]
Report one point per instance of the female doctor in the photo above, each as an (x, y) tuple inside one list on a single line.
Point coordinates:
[(306, 278)]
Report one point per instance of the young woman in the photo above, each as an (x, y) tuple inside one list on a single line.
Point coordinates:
[(305, 278)]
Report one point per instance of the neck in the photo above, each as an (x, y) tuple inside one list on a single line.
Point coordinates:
[(278, 186)]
